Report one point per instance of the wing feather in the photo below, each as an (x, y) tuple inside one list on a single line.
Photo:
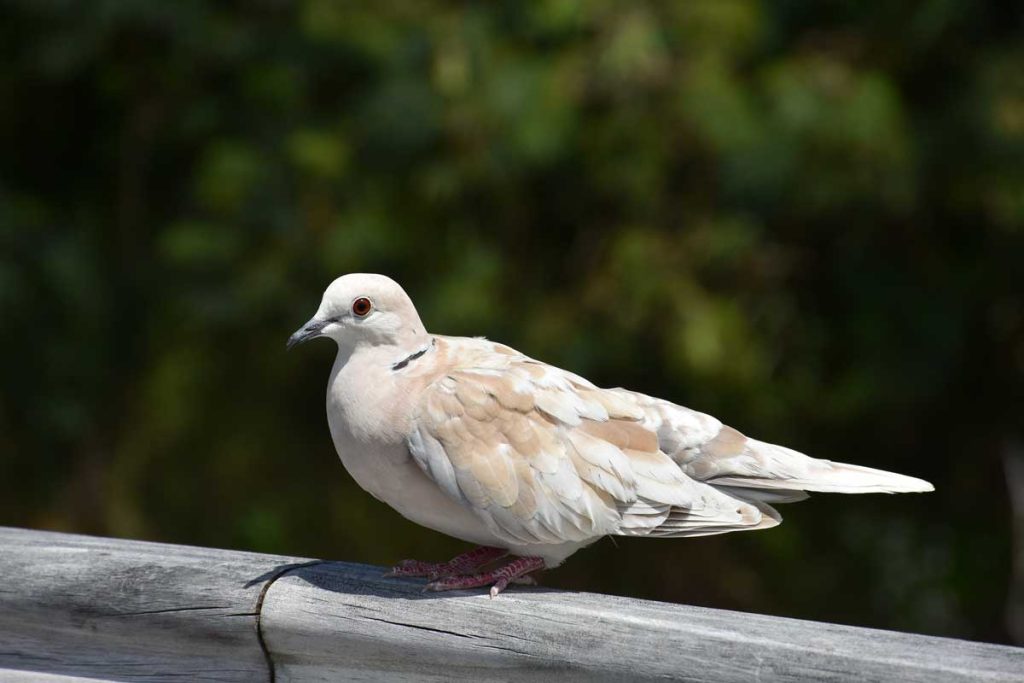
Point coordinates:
[(543, 456)]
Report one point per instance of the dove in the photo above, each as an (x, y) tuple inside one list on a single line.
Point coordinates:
[(530, 462)]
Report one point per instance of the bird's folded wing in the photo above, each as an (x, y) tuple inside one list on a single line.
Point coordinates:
[(543, 456)]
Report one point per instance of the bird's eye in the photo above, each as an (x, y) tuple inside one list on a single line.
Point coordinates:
[(361, 307)]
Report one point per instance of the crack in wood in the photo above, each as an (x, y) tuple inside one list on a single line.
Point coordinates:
[(506, 649), (421, 628), (470, 636), (271, 669), (169, 610)]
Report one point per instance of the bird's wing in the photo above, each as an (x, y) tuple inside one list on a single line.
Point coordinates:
[(717, 454), (544, 456)]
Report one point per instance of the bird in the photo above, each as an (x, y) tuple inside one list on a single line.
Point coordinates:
[(530, 462)]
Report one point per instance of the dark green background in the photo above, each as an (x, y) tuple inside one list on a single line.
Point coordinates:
[(805, 217)]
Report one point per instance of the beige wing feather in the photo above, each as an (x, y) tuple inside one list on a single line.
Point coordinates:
[(543, 456)]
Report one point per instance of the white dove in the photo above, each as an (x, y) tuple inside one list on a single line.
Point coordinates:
[(473, 439)]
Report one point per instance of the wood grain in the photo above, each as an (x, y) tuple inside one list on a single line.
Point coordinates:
[(126, 610), (334, 616), (76, 608)]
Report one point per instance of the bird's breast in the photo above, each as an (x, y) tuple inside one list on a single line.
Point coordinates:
[(390, 475), (382, 465)]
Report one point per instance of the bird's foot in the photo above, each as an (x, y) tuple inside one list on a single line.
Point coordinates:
[(498, 579), (466, 563)]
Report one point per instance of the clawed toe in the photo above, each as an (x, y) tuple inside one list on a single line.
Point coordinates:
[(498, 579), (466, 563), (462, 572)]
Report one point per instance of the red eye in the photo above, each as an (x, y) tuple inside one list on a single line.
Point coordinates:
[(362, 306)]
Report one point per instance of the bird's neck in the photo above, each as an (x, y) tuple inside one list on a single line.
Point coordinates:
[(369, 354), (365, 385)]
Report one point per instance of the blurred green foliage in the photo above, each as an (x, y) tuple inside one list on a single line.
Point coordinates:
[(804, 217)]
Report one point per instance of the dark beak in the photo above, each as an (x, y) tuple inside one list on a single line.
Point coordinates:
[(310, 330)]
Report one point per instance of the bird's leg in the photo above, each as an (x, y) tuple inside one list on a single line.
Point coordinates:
[(466, 563), (498, 578)]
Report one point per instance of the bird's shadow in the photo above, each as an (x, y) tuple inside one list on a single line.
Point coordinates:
[(363, 579)]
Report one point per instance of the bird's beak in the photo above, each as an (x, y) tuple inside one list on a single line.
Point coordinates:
[(310, 330)]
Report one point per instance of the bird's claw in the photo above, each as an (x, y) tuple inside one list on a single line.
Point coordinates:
[(516, 571)]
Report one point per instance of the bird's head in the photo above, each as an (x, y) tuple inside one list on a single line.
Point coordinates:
[(363, 308)]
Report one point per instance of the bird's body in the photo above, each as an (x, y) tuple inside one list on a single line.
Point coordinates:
[(478, 441)]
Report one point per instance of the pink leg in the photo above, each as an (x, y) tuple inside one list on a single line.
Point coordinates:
[(466, 563), (498, 578)]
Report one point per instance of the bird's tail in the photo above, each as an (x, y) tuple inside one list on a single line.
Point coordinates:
[(756, 470), (830, 477), (776, 474)]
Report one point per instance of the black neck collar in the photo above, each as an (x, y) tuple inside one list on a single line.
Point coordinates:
[(408, 359)]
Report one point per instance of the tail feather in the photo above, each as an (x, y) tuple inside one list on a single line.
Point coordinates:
[(678, 525), (796, 471), (731, 460), (764, 495), (835, 481), (716, 454)]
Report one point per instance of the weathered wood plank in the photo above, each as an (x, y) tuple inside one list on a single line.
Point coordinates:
[(76, 608), (125, 610), (332, 617)]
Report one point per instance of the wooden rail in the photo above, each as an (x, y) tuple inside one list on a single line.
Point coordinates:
[(77, 607)]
